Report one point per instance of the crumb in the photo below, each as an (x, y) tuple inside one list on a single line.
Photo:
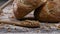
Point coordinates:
[(1, 27), (9, 30), (2, 24), (15, 29), (2, 14), (37, 31), (12, 16), (14, 24), (58, 27)]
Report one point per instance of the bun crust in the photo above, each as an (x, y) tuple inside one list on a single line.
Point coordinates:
[(50, 12), (22, 7)]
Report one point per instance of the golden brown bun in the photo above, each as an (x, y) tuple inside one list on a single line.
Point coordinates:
[(22, 7), (50, 12)]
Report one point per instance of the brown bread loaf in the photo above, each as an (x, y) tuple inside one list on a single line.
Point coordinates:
[(50, 12), (22, 7)]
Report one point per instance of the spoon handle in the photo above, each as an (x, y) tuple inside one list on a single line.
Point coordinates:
[(5, 4)]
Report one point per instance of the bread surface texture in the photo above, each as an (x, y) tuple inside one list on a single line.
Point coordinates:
[(50, 12), (23, 7)]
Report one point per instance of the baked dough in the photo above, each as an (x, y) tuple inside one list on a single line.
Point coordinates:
[(23, 7), (49, 12)]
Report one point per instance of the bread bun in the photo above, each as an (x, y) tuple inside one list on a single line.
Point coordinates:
[(50, 12), (22, 7)]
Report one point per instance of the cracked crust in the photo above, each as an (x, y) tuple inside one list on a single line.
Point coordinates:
[(22, 7)]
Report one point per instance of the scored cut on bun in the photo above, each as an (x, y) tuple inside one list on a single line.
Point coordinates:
[(23, 7), (49, 12)]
